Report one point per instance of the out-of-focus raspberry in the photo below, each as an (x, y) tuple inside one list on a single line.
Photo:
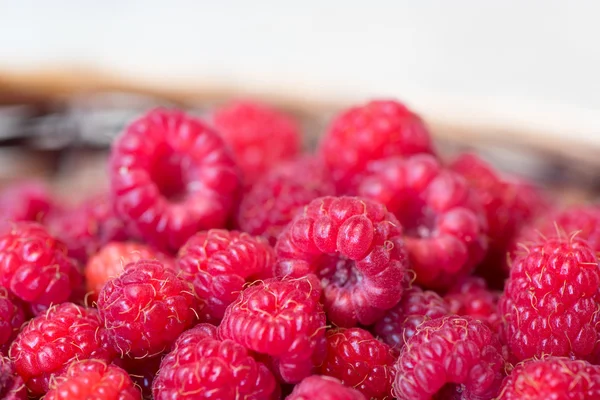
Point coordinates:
[(471, 296), (324, 388), (12, 316), (11, 384), (25, 201)]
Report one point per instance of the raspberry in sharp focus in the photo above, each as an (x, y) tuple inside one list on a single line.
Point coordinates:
[(441, 215), (360, 361), (35, 267), (172, 176), (259, 136), (11, 384), (374, 131), (552, 378), (280, 194), (93, 379), (471, 296), (146, 308), (25, 201), (283, 319), (451, 357), (218, 263), (324, 388), (48, 343), (551, 301), (12, 316)]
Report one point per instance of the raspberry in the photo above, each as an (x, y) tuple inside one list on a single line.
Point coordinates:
[(360, 361), (25, 201), (324, 388), (35, 266), (450, 357), (471, 297), (12, 316), (11, 384), (146, 308), (218, 263), (110, 260), (93, 379), (171, 176), (202, 366), (142, 372), (400, 323), (279, 195), (48, 343), (355, 247), (377, 130), (552, 378), (283, 319), (551, 301), (444, 223), (259, 135)]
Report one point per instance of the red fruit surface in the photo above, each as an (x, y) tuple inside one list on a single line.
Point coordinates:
[(11, 384), (377, 130), (219, 263), (442, 216), (450, 358), (93, 379), (324, 388), (142, 372), (146, 308), (48, 343), (282, 319), (200, 366), (27, 200), (260, 136), (471, 296), (356, 249), (12, 316), (172, 176)]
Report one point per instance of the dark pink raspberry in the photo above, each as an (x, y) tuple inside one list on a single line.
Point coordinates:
[(219, 263), (12, 316), (551, 300), (552, 378), (360, 361), (442, 216), (201, 366), (324, 388), (450, 358), (282, 319), (280, 194), (25, 201), (471, 296), (142, 372), (146, 308), (35, 267), (259, 136), (400, 323), (377, 130), (48, 343), (356, 249), (11, 384), (172, 176)]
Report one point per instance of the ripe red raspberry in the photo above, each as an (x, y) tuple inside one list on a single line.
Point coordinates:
[(551, 301), (93, 379), (11, 384), (552, 378), (171, 176), (400, 323), (259, 136), (12, 316), (356, 249), (35, 266), (48, 343), (360, 361), (443, 219), (25, 201), (279, 195), (219, 263), (450, 357), (146, 308), (283, 319), (324, 388), (202, 366), (471, 296), (377, 130)]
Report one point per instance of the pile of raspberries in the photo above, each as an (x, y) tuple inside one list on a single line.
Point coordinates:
[(224, 262)]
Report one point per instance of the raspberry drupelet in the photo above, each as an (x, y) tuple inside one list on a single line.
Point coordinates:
[(471, 296), (11, 384), (324, 388), (282, 319), (35, 267), (377, 130), (48, 343), (442, 216), (260, 136), (356, 249), (12, 316), (551, 301), (450, 358), (219, 263), (172, 176), (93, 379), (146, 308), (201, 366), (28, 200)]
